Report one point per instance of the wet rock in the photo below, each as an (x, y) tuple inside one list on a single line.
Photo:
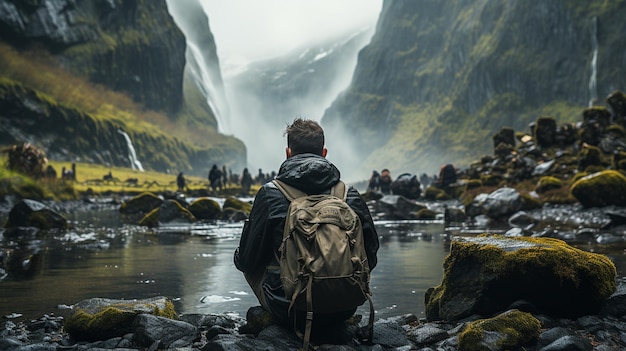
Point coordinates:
[(238, 205), (397, 207), (454, 215), (592, 190), (102, 319), (407, 185), (505, 331), (486, 274), (205, 208), (149, 329), (171, 211), (500, 203), (31, 213), (141, 204)]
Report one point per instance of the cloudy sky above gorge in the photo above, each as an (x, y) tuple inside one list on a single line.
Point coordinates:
[(248, 30)]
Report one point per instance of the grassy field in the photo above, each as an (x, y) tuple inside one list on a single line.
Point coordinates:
[(90, 178)]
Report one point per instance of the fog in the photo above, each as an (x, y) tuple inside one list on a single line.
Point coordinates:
[(248, 31)]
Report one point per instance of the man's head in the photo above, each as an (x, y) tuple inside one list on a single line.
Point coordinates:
[(305, 136)]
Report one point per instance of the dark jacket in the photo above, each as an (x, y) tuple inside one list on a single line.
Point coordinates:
[(263, 231)]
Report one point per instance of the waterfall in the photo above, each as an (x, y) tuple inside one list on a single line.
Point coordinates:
[(198, 67), (593, 82), (132, 156), (201, 54)]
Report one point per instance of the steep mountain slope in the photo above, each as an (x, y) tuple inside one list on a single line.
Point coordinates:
[(440, 78), (84, 60)]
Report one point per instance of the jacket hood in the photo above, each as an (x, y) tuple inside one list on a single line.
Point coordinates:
[(309, 172)]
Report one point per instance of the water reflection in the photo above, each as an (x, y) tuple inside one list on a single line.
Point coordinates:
[(192, 265)]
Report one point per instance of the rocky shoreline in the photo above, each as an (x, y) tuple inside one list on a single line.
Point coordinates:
[(604, 331)]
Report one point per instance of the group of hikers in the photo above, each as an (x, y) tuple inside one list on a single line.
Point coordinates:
[(384, 183), (220, 178)]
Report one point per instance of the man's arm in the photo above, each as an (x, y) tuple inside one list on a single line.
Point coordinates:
[(370, 236), (254, 248)]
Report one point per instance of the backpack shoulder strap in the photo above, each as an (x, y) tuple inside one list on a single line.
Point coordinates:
[(290, 192), (340, 190)]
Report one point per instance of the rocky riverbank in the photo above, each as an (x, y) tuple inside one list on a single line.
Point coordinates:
[(603, 332)]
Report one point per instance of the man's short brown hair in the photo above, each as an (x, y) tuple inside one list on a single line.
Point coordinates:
[(305, 136)]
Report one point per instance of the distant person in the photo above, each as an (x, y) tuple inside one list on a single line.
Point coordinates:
[(374, 182), (447, 176), (385, 181), (246, 181), (215, 177), (425, 180), (224, 176), (51, 173), (180, 182), (260, 178)]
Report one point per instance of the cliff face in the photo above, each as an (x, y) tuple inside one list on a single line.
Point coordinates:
[(131, 46), (440, 78), (114, 49)]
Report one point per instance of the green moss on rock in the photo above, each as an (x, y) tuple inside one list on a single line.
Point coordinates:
[(548, 183), (426, 214), (509, 330), (205, 208), (485, 274), (142, 203), (594, 189), (102, 319), (236, 204), (151, 219)]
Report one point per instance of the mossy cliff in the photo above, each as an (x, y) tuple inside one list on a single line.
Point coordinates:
[(102, 66), (439, 78)]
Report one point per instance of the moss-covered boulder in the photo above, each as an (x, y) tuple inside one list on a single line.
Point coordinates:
[(435, 193), (546, 183), (170, 211), (31, 213), (102, 319), (236, 204), (140, 204), (486, 274), (507, 331), (426, 214), (205, 208), (601, 189)]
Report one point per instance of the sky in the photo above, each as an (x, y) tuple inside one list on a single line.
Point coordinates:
[(248, 30)]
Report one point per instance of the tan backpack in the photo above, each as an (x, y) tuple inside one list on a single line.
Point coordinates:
[(323, 262)]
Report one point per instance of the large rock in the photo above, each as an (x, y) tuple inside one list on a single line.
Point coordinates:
[(205, 208), (168, 333), (407, 185), (141, 204), (102, 319), (601, 189), (397, 207), (31, 213), (500, 203), (505, 331), (486, 274)]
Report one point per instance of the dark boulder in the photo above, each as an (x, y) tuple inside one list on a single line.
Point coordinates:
[(407, 185), (31, 213)]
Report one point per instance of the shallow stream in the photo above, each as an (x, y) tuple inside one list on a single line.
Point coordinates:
[(193, 265)]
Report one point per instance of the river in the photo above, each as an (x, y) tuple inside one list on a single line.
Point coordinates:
[(193, 266)]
